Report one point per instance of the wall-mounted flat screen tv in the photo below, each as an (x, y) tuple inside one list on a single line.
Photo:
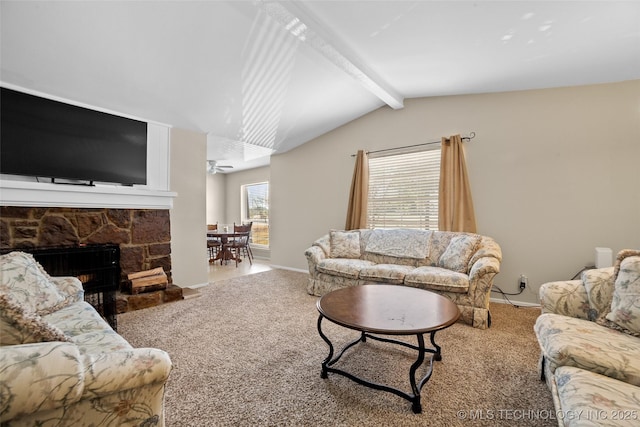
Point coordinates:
[(43, 138)]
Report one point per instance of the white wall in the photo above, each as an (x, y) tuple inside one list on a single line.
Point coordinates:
[(554, 174), (188, 216)]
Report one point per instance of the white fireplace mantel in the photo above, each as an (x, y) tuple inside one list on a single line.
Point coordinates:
[(39, 194)]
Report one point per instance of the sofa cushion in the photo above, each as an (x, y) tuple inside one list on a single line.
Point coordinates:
[(344, 244), (388, 273), (21, 326), (625, 304), (590, 399), (437, 278), (401, 243), (28, 285), (567, 341), (599, 286), (343, 267), (457, 255)]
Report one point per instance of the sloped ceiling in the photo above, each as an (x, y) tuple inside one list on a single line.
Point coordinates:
[(262, 77)]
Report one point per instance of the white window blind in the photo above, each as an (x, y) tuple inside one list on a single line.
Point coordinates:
[(403, 190)]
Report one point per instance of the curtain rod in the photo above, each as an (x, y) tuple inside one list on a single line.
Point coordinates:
[(464, 138)]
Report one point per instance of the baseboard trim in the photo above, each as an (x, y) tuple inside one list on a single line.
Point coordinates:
[(518, 303), (196, 286), (282, 267)]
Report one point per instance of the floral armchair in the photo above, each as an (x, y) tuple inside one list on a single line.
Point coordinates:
[(589, 334), (60, 362)]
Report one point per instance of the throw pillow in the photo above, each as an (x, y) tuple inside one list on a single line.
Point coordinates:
[(457, 255), (599, 285), (19, 326), (22, 278), (344, 244), (625, 304)]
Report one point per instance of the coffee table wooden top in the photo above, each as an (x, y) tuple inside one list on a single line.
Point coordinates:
[(388, 309)]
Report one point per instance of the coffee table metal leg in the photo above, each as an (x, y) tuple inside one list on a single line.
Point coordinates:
[(437, 355), (416, 406), (416, 386), (328, 359)]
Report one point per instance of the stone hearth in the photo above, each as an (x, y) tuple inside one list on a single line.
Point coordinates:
[(127, 302), (143, 235)]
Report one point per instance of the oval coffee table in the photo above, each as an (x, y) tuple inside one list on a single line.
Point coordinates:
[(388, 310)]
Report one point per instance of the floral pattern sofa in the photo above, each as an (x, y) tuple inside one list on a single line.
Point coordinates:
[(460, 266), (61, 364), (589, 334)]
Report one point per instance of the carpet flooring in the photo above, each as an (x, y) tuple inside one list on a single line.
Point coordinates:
[(247, 353)]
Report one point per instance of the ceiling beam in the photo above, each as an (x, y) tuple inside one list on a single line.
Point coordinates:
[(301, 23)]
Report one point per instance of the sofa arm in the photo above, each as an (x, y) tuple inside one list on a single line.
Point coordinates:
[(568, 297), (484, 266), (39, 376), (314, 255), (108, 373), (70, 287)]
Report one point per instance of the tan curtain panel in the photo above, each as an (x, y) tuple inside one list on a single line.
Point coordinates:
[(455, 204), (359, 195)]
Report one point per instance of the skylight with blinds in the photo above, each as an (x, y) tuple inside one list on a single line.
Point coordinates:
[(403, 190)]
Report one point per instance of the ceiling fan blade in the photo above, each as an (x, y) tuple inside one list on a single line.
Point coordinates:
[(213, 167)]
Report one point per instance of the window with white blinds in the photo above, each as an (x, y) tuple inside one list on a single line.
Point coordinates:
[(403, 190)]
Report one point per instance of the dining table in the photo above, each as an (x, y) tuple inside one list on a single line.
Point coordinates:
[(224, 254)]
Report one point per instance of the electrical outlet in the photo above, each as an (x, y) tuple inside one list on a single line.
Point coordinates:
[(523, 281)]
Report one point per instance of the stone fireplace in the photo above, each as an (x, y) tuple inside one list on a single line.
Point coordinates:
[(143, 236)]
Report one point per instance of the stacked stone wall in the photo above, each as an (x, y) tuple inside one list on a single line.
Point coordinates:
[(144, 235)]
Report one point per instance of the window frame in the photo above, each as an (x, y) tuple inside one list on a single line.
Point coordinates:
[(244, 211)]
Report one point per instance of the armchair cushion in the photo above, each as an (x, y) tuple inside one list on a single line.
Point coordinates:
[(599, 286), (22, 277), (625, 304), (580, 391), (19, 326), (567, 341)]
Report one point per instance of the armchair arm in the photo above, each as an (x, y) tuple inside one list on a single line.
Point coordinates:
[(568, 297), (107, 373), (39, 376), (70, 287)]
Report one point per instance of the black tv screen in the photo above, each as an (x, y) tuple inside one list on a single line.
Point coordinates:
[(41, 137)]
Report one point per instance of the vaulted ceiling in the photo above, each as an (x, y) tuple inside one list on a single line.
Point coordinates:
[(262, 77)]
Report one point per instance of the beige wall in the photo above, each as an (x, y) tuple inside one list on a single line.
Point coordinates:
[(188, 216), (216, 195), (554, 174)]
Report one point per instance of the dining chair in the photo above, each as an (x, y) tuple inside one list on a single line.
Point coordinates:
[(214, 245), (240, 243)]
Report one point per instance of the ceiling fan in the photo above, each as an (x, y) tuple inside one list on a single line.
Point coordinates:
[(213, 167)]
